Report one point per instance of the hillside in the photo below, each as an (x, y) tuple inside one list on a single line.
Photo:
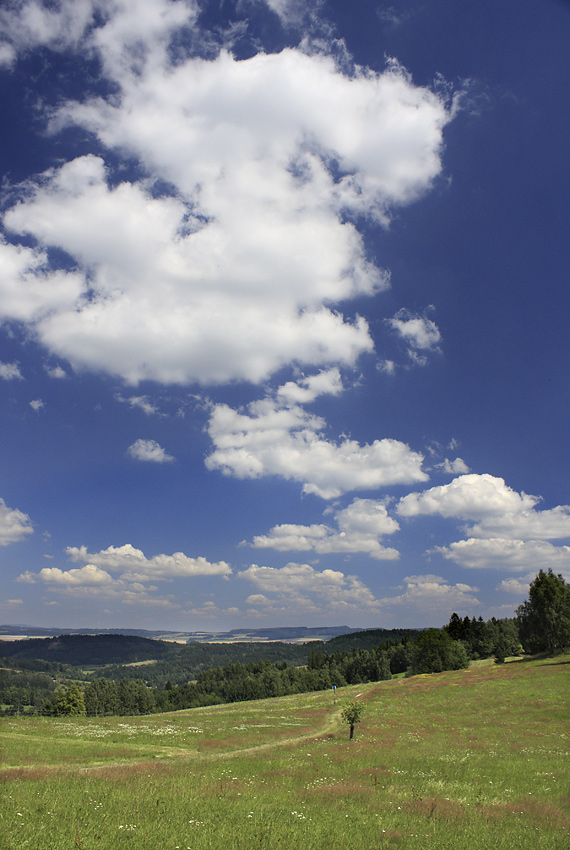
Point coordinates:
[(368, 639), (110, 655), (466, 759)]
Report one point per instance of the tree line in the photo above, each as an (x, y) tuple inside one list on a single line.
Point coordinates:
[(542, 625)]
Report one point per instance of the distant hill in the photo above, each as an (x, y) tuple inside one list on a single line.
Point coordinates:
[(88, 650), (286, 633), (367, 639), (113, 656)]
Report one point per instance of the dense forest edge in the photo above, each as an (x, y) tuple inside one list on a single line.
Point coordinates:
[(115, 674)]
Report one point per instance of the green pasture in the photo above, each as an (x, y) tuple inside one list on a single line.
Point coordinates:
[(468, 759)]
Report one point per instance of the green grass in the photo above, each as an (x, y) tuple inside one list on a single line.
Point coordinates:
[(468, 759)]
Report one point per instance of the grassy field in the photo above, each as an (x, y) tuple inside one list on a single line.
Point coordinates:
[(471, 759)]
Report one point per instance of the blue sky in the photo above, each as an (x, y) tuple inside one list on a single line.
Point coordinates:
[(283, 310)]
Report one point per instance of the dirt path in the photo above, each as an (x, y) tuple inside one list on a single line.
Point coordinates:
[(157, 753)]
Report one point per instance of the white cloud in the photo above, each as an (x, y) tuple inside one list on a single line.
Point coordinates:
[(135, 566), (308, 389), (508, 555), (453, 467), (293, 580), (149, 450), (10, 371), (420, 335), (14, 524), (429, 594), (387, 366), (29, 288), (471, 497), (57, 372), (90, 580), (140, 401), (418, 332), (286, 441), (135, 570), (360, 526), (28, 24), (292, 12), (517, 586), (549, 524), (235, 275), (513, 530), (258, 599), (37, 404), (82, 577)]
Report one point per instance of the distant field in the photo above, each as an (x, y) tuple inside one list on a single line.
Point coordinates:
[(469, 760)]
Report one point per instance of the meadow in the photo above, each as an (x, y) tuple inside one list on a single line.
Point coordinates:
[(474, 758)]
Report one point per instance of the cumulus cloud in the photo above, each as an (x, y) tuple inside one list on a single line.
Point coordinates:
[(307, 389), (10, 371), (29, 24), (149, 450), (82, 577), (471, 497), (502, 554), (14, 524), (499, 511), (135, 566), (141, 402), (549, 524), (91, 580), (419, 333), (453, 467), (57, 372), (431, 594), (359, 527), (517, 586), (270, 439), (29, 288), (134, 570), (231, 274), (293, 580)]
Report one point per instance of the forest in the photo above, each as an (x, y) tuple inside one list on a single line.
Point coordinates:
[(71, 674)]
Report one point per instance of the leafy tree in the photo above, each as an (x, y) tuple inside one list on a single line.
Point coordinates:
[(351, 715), (435, 651), (70, 701), (544, 619)]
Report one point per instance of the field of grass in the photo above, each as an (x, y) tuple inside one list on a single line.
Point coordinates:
[(471, 760)]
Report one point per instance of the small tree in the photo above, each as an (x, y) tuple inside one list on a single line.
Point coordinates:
[(351, 715)]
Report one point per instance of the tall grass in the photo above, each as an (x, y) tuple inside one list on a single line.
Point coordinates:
[(472, 759)]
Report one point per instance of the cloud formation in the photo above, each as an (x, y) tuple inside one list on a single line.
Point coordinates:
[(149, 450), (431, 593), (231, 273), (295, 580), (509, 532), (134, 569), (14, 524), (135, 566), (507, 555), (470, 497), (10, 371), (419, 333), (271, 439), (359, 527)]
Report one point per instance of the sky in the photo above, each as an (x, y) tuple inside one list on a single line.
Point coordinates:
[(283, 310)]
